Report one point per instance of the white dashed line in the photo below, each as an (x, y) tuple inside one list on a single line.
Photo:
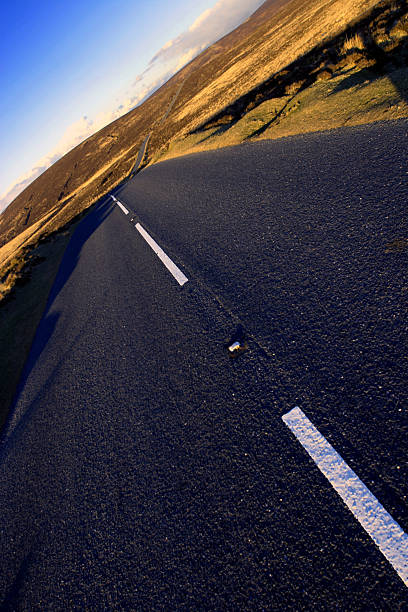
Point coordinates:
[(170, 265), (380, 526), (125, 210)]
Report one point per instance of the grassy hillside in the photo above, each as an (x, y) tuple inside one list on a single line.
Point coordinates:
[(358, 76), (274, 37)]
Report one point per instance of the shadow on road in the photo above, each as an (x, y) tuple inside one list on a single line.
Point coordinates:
[(69, 262), (49, 320), (71, 257)]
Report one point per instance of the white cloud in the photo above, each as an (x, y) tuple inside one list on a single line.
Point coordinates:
[(147, 88), (73, 135), (187, 57), (211, 25), (24, 180), (76, 133)]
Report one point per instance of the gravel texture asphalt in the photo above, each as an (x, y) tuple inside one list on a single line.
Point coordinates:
[(143, 468)]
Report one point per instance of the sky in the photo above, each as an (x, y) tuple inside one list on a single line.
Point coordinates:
[(69, 68)]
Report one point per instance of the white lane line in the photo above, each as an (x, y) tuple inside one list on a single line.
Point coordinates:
[(380, 526), (170, 265), (125, 210)]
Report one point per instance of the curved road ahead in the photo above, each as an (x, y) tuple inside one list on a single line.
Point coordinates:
[(143, 467)]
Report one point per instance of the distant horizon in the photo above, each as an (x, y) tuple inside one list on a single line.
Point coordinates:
[(61, 80)]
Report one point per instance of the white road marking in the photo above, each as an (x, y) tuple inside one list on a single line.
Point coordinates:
[(170, 265), (125, 210), (380, 526)]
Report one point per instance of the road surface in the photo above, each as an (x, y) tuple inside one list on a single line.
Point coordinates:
[(145, 468)]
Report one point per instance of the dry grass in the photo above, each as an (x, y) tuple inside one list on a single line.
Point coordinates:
[(336, 84), (11, 274), (97, 175), (400, 29), (29, 236), (294, 87), (15, 255), (354, 43), (347, 99), (298, 33)]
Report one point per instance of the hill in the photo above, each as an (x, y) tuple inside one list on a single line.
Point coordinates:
[(280, 33)]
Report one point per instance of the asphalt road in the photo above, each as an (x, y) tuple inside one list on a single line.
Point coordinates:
[(142, 467)]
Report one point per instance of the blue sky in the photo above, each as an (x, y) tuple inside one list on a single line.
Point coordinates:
[(68, 68)]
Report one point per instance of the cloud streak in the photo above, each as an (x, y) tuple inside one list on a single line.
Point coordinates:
[(211, 25)]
